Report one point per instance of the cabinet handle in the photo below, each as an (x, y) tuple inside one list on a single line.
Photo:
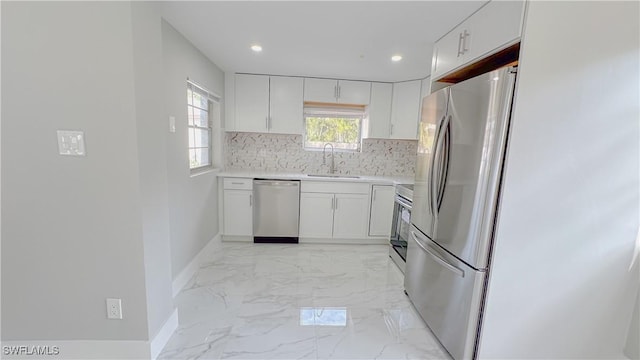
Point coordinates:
[(336, 204), (339, 91), (237, 183), (374, 194), (332, 201), (266, 122), (460, 38), (464, 42), (335, 91), (391, 132), (250, 200)]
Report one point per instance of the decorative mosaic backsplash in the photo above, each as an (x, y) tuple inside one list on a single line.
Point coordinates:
[(284, 153)]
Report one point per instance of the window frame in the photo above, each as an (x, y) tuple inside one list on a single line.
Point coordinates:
[(333, 111), (191, 126)]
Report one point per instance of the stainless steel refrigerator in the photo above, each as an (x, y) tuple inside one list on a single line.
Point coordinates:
[(463, 136)]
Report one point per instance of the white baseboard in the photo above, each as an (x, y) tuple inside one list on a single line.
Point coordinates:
[(163, 336), (237, 238), (185, 275), (365, 241), (75, 349)]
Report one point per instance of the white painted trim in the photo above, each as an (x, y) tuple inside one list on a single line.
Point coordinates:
[(160, 340), (185, 275), (236, 238), (82, 349), (363, 241)]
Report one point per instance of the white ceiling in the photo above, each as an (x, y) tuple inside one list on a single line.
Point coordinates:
[(348, 40)]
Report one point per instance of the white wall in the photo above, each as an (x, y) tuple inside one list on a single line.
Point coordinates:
[(561, 283), (71, 233), (152, 130), (632, 347), (193, 201)]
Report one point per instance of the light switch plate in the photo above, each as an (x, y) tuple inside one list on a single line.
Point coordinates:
[(71, 143), (172, 124)]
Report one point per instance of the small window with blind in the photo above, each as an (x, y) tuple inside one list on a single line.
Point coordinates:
[(200, 105), (338, 125)]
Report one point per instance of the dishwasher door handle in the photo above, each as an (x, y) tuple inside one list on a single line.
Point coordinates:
[(276, 182)]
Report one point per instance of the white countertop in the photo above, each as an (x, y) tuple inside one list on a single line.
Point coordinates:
[(383, 180)]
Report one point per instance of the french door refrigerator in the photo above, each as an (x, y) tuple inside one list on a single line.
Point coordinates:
[(463, 135)]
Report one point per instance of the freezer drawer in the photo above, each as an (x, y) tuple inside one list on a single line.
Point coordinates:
[(446, 292)]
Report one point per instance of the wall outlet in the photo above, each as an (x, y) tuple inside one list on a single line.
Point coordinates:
[(114, 309)]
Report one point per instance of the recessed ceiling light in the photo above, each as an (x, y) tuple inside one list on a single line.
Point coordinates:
[(256, 48), (396, 58)]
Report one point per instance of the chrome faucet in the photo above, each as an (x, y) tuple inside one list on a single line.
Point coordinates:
[(332, 169)]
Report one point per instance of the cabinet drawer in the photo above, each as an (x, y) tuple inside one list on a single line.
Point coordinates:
[(334, 187), (238, 184)]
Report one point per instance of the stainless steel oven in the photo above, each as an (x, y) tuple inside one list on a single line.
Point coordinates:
[(401, 225)]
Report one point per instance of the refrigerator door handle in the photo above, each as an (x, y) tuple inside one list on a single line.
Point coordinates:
[(431, 170), (433, 187), (437, 258), (444, 164)]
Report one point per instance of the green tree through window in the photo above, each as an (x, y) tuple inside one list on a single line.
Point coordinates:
[(342, 131)]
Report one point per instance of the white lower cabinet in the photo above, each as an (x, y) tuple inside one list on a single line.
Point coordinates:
[(316, 215), (382, 199), (334, 210), (238, 207), (350, 216)]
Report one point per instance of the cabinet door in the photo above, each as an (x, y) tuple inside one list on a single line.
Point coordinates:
[(286, 103), (380, 110), (447, 53), (320, 90), (238, 213), (316, 215), (350, 217), (405, 110), (354, 92), (252, 102), (425, 88), (497, 24), (382, 198)]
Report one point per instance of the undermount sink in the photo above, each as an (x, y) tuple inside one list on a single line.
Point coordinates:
[(334, 176)]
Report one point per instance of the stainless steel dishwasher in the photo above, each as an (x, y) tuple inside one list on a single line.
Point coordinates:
[(276, 211)]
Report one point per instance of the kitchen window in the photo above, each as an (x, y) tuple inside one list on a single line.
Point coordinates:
[(200, 107), (338, 125)]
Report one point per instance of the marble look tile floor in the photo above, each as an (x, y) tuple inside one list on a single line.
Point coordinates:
[(305, 301)]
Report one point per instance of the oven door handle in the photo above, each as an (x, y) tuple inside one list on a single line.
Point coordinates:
[(403, 202)]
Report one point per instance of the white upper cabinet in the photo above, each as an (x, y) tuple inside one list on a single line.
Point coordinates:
[(425, 88), (268, 104), (354, 92), (337, 91), (405, 110), (252, 102), (380, 111), (320, 90), (492, 28), (286, 105)]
